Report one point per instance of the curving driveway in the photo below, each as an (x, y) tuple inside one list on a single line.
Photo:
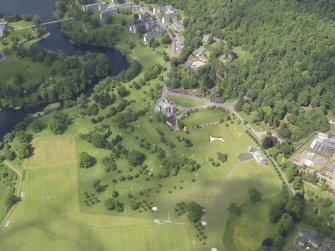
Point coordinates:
[(230, 108)]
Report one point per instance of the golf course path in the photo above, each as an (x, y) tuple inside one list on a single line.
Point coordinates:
[(18, 190)]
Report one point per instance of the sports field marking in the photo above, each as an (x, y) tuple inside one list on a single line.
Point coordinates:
[(52, 152)]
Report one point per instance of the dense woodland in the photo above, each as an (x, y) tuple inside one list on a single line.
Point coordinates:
[(291, 62), (73, 76)]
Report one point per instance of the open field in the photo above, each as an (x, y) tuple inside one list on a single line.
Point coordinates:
[(185, 102), (204, 116), (49, 218), (53, 207), (51, 152), (213, 187), (244, 232)]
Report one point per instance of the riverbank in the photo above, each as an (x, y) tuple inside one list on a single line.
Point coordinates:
[(24, 72)]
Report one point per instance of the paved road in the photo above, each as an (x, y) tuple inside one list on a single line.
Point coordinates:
[(282, 174), (178, 43), (208, 103), (10, 165), (19, 174), (176, 46), (230, 108)]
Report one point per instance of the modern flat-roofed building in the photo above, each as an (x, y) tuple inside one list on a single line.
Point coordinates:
[(162, 9), (151, 34), (135, 28), (200, 52), (257, 155), (306, 237), (168, 16), (94, 7), (324, 144), (109, 11)]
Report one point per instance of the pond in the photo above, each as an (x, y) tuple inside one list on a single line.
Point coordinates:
[(56, 42)]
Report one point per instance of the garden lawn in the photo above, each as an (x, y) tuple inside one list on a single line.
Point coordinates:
[(204, 116), (248, 231), (52, 152), (185, 102)]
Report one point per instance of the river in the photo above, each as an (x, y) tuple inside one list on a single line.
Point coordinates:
[(56, 42)]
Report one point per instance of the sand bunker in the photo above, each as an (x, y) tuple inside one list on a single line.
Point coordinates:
[(211, 139)]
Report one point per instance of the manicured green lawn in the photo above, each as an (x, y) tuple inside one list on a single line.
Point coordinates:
[(19, 35), (186, 102), (204, 116), (51, 204), (49, 217), (247, 231), (51, 152), (215, 188)]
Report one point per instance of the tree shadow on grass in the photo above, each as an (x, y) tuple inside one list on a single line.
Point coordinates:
[(50, 234)]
